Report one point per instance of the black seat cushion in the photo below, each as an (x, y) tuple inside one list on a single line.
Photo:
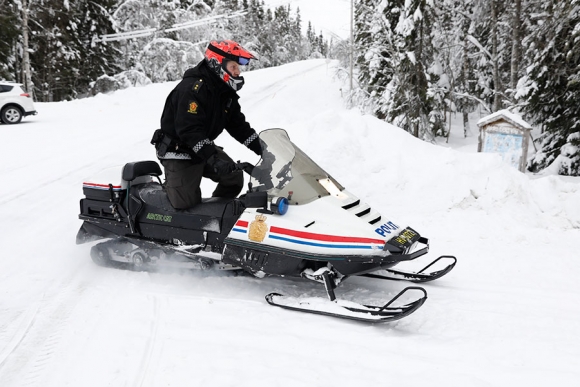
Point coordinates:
[(133, 170), (154, 195)]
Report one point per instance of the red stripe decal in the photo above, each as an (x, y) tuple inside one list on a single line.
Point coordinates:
[(324, 237), (242, 223), (102, 185)]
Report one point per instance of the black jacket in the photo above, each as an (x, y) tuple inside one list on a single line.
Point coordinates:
[(198, 110)]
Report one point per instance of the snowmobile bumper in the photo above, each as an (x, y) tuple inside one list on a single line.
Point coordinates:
[(404, 246)]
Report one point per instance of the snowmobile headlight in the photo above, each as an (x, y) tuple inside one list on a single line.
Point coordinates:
[(279, 205), (331, 188)]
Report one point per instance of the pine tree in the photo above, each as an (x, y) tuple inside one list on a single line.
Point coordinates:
[(455, 23), (53, 44), (9, 22), (551, 89), (96, 57), (412, 104), (68, 35), (372, 30), (255, 34), (310, 37), (402, 74)]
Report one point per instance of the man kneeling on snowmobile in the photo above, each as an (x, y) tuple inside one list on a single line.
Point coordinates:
[(196, 112)]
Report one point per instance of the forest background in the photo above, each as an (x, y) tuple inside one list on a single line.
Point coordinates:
[(412, 62)]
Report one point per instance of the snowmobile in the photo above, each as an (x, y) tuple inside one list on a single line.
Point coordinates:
[(295, 220)]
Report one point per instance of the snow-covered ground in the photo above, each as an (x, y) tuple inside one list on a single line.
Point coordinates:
[(506, 316)]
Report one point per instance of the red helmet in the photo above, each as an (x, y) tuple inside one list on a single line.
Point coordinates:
[(217, 56)]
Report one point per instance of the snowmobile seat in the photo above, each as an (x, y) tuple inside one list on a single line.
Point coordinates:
[(154, 195), (136, 169)]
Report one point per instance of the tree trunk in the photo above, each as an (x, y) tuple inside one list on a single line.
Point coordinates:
[(27, 79), (421, 87), (465, 74), (465, 24), (495, 59), (351, 48), (516, 44)]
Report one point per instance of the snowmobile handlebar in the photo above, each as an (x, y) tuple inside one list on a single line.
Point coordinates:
[(244, 166)]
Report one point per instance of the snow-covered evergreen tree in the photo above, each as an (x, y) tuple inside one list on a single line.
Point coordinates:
[(97, 58), (9, 32), (64, 55), (165, 59), (402, 73), (54, 43), (458, 83), (551, 88)]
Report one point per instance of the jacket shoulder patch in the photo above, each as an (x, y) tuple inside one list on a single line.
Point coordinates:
[(193, 107)]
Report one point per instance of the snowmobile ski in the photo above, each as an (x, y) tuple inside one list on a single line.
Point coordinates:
[(417, 277), (350, 310)]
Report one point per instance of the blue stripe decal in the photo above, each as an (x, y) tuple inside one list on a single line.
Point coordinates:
[(319, 244), (239, 230)]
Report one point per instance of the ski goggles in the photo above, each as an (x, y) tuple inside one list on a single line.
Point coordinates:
[(243, 61)]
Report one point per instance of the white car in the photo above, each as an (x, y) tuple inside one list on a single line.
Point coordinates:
[(15, 103)]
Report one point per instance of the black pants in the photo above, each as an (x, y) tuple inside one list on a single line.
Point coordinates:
[(183, 177)]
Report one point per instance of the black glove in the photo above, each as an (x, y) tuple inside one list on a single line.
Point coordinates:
[(219, 166), (246, 167), (256, 147)]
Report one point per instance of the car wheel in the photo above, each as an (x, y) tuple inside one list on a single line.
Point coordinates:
[(11, 115)]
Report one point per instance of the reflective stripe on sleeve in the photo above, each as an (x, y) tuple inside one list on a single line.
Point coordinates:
[(201, 144), (250, 139)]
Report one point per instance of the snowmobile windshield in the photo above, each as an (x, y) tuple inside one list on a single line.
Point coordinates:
[(286, 171)]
